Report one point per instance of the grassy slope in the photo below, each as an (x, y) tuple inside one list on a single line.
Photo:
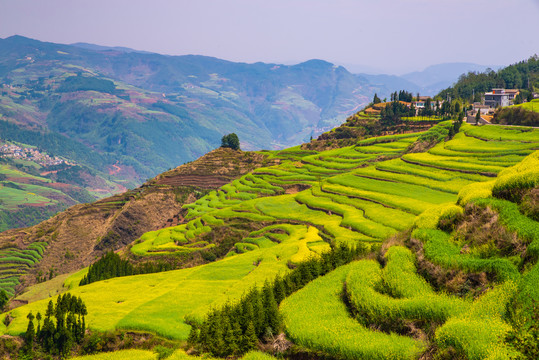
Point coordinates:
[(348, 204), (531, 106)]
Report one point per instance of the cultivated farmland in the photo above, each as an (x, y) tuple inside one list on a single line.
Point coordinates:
[(438, 285)]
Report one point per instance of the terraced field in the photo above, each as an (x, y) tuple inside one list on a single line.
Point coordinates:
[(358, 195), (14, 262), (149, 302), (404, 308), (350, 194), (150, 355)]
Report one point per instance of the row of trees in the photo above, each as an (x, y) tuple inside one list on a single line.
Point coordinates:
[(392, 113), (236, 328), (402, 95), (63, 326), (516, 116), (110, 265)]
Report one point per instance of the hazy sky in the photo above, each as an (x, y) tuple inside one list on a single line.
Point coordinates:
[(390, 35)]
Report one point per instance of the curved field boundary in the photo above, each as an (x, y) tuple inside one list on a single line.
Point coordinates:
[(317, 318)]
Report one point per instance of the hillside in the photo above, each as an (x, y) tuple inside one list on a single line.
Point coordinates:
[(523, 75), (124, 116), (73, 239), (36, 186), (445, 244), (114, 98)]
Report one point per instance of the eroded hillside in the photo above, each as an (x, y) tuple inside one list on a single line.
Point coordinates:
[(74, 238)]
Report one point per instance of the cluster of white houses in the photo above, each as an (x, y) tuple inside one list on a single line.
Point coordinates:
[(23, 153)]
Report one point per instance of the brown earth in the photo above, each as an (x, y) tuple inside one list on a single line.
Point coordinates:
[(213, 170), (358, 127), (82, 233)]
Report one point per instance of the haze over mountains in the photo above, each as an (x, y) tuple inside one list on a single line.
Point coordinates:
[(130, 114), (268, 105), (428, 81)]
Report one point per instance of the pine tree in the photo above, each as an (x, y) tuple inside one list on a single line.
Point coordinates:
[(249, 338), (203, 336), (30, 334), (218, 343), (4, 298), (231, 344), (279, 292), (38, 318), (272, 321), (193, 339), (247, 313), (259, 315)]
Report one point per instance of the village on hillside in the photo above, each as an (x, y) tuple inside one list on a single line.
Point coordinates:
[(481, 112), (9, 150)]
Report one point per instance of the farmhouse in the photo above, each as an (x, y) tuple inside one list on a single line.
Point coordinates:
[(421, 101), (500, 97)]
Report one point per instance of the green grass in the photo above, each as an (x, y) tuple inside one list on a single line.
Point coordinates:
[(440, 250), (285, 207), (412, 300), (393, 218), (480, 332), (502, 133), (452, 185), (414, 192), (161, 302), (351, 217), (132, 354), (531, 105), (315, 317), (462, 142), (467, 163)]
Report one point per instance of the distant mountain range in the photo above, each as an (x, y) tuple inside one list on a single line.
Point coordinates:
[(152, 112), (131, 114), (429, 81)]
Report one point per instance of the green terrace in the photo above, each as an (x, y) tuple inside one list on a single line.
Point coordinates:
[(359, 196)]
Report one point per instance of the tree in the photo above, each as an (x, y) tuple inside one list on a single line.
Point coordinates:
[(3, 299), (249, 339), (30, 334), (231, 141), (376, 99), (477, 117)]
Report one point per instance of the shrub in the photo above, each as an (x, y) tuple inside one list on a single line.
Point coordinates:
[(514, 182), (474, 191), (231, 141)]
